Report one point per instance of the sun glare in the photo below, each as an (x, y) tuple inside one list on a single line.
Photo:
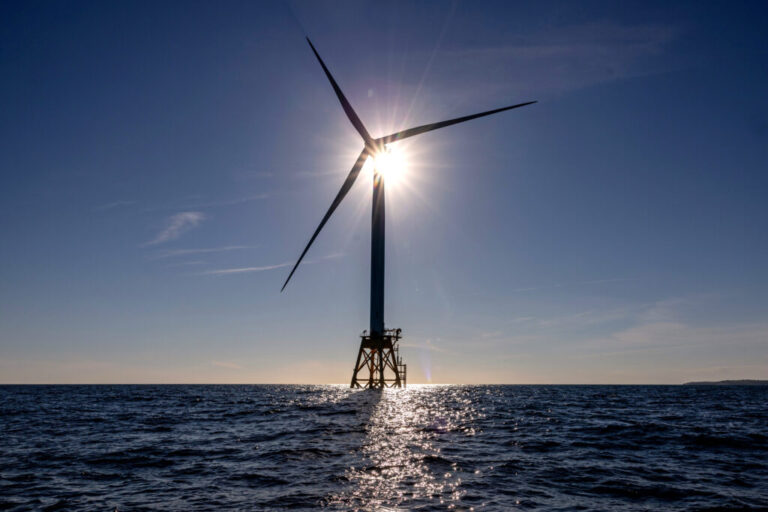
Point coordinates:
[(391, 164)]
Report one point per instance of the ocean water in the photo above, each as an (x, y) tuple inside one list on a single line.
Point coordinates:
[(227, 447)]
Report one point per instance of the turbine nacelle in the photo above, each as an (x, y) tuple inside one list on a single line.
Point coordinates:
[(373, 147), (381, 154)]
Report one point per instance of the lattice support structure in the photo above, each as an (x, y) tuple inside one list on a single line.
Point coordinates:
[(379, 364)]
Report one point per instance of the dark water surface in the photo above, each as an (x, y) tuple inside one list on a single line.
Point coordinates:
[(423, 448)]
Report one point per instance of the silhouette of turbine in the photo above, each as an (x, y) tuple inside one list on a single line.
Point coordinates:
[(378, 349)]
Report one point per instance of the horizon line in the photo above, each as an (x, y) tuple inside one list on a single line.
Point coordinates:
[(345, 384)]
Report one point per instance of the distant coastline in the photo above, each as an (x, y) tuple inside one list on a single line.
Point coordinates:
[(743, 382)]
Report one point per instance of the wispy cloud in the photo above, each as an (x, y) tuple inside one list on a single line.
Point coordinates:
[(667, 324), (114, 204), (427, 345), (176, 225), (253, 174), (243, 270), (170, 253), (332, 256), (197, 202), (188, 263), (225, 364), (564, 285), (231, 202), (671, 335), (561, 58), (315, 174)]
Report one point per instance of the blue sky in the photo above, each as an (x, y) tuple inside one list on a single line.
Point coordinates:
[(164, 165)]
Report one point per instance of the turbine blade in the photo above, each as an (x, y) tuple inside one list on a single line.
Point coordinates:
[(410, 132), (351, 114), (351, 177)]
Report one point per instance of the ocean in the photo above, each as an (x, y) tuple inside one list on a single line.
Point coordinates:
[(274, 447)]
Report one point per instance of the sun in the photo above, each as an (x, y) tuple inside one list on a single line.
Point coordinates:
[(391, 164)]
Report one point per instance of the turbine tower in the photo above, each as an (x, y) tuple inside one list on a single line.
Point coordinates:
[(378, 352)]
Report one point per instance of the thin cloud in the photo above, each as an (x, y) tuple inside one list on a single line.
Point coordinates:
[(332, 256), (254, 174), (561, 59), (579, 283), (225, 364), (243, 270), (114, 204), (170, 253), (196, 202), (743, 338), (427, 345), (231, 202), (176, 226), (315, 174), (188, 263)]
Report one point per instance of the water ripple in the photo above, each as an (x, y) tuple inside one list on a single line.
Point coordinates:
[(423, 448)]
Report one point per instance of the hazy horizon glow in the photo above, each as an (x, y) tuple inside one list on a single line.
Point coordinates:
[(164, 165)]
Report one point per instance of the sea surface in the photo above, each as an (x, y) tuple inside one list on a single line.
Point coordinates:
[(256, 447)]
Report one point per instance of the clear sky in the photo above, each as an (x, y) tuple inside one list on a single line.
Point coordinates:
[(615, 232)]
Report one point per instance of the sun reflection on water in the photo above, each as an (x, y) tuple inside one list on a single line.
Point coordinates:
[(401, 454)]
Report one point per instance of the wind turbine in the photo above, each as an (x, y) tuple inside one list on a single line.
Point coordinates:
[(378, 349)]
